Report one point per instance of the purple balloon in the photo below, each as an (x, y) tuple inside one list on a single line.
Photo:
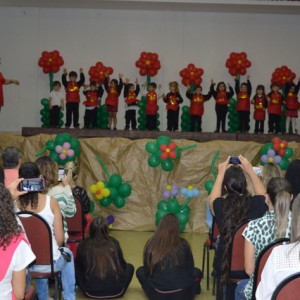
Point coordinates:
[(264, 158), (271, 152), (277, 159), (166, 194)]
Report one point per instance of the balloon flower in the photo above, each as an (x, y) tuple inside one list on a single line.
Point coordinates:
[(114, 190), (237, 63), (210, 183), (63, 149), (99, 71), (283, 75), (164, 152), (148, 63), (50, 61), (170, 191), (171, 205), (276, 152), (191, 75)]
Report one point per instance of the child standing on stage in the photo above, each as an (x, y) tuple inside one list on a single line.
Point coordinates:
[(260, 103), (130, 95), (151, 106), (72, 96), (173, 99), (221, 97), (56, 104), (274, 108), (91, 104), (292, 106), (197, 106), (113, 89), (243, 93)]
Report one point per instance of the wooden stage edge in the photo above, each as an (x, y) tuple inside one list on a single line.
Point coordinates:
[(195, 136)]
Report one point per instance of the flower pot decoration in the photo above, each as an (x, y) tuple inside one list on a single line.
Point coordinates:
[(113, 190), (210, 183), (164, 152), (276, 152), (237, 63), (170, 204), (62, 149), (282, 76)]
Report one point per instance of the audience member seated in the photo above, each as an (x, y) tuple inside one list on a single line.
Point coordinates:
[(292, 176), (61, 191), (101, 270), (231, 209), (168, 261), (284, 259), (275, 224), (269, 171), (11, 159), (48, 208), (15, 251)]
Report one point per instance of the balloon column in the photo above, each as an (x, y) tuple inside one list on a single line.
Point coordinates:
[(163, 151), (233, 117), (237, 63), (276, 152), (170, 204), (63, 149), (149, 64), (114, 190), (282, 76), (185, 119), (210, 183), (50, 62)]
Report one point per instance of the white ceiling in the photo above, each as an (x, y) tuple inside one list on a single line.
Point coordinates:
[(248, 6)]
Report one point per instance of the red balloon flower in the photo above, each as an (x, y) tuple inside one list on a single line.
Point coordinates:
[(148, 63), (168, 151), (191, 75), (279, 145), (97, 73), (237, 63), (50, 61), (282, 75)]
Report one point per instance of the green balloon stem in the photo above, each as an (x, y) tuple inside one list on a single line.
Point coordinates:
[(185, 204), (51, 75), (192, 88), (187, 147), (148, 80), (213, 169), (100, 161), (41, 152)]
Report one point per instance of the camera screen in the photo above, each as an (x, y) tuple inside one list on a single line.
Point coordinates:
[(32, 185), (234, 160)]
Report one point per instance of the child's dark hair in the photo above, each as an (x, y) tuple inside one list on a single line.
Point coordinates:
[(130, 85), (73, 74), (221, 82), (93, 83), (274, 84), (153, 84), (198, 87), (56, 83), (260, 87), (244, 84), (115, 81)]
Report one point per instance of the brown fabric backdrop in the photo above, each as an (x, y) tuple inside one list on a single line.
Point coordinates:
[(129, 159)]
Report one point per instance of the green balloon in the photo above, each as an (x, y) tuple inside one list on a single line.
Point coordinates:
[(185, 117), (159, 215), (162, 205), (152, 147), (163, 140), (167, 165), (185, 109), (119, 202), (182, 227), (44, 119), (125, 190), (54, 156), (51, 145), (173, 206), (266, 148), (45, 102), (209, 184), (60, 139), (153, 161), (185, 210), (113, 193), (182, 217), (284, 163), (105, 202), (92, 206), (61, 123), (61, 115), (115, 180), (288, 152)]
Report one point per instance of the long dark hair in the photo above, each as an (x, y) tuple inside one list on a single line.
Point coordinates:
[(29, 170), (99, 251), (235, 208), (9, 226), (164, 244)]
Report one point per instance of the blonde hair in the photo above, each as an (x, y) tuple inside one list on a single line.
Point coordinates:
[(48, 169), (73, 166), (270, 171), (295, 230), (174, 84)]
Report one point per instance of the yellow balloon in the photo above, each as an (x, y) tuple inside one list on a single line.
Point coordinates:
[(99, 196), (100, 185), (168, 188), (106, 192), (93, 188), (110, 226)]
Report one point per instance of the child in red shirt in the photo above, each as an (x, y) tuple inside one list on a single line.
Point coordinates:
[(260, 104), (274, 109)]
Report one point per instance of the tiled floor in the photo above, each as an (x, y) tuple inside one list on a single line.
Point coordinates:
[(132, 244)]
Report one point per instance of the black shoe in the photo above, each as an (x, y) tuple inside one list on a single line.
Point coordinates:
[(126, 128), (115, 128), (216, 131), (224, 131)]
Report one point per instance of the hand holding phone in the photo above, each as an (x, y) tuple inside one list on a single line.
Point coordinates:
[(234, 160), (32, 185), (61, 174)]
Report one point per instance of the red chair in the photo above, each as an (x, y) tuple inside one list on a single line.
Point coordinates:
[(40, 238), (210, 244), (288, 289), (30, 294), (261, 261), (179, 294)]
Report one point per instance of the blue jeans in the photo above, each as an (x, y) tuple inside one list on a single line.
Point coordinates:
[(239, 290), (67, 277)]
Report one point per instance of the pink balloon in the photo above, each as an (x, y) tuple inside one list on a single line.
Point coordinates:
[(70, 152), (62, 156), (58, 148), (66, 145)]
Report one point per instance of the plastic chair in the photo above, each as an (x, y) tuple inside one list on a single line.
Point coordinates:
[(288, 289), (210, 244), (261, 261), (76, 224), (40, 238)]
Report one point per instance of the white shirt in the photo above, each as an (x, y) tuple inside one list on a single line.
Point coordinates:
[(56, 97), (22, 257), (282, 262)]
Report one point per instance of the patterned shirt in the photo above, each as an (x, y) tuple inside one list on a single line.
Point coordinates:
[(260, 233)]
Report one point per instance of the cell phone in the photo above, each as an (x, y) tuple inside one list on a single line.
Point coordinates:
[(32, 185), (61, 174), (258, 170), (234, 160)]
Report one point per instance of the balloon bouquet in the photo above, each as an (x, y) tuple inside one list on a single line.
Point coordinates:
[(191, 76), (50, 62), (237, 64), (97, 74), (149, 64), (210, 183)]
